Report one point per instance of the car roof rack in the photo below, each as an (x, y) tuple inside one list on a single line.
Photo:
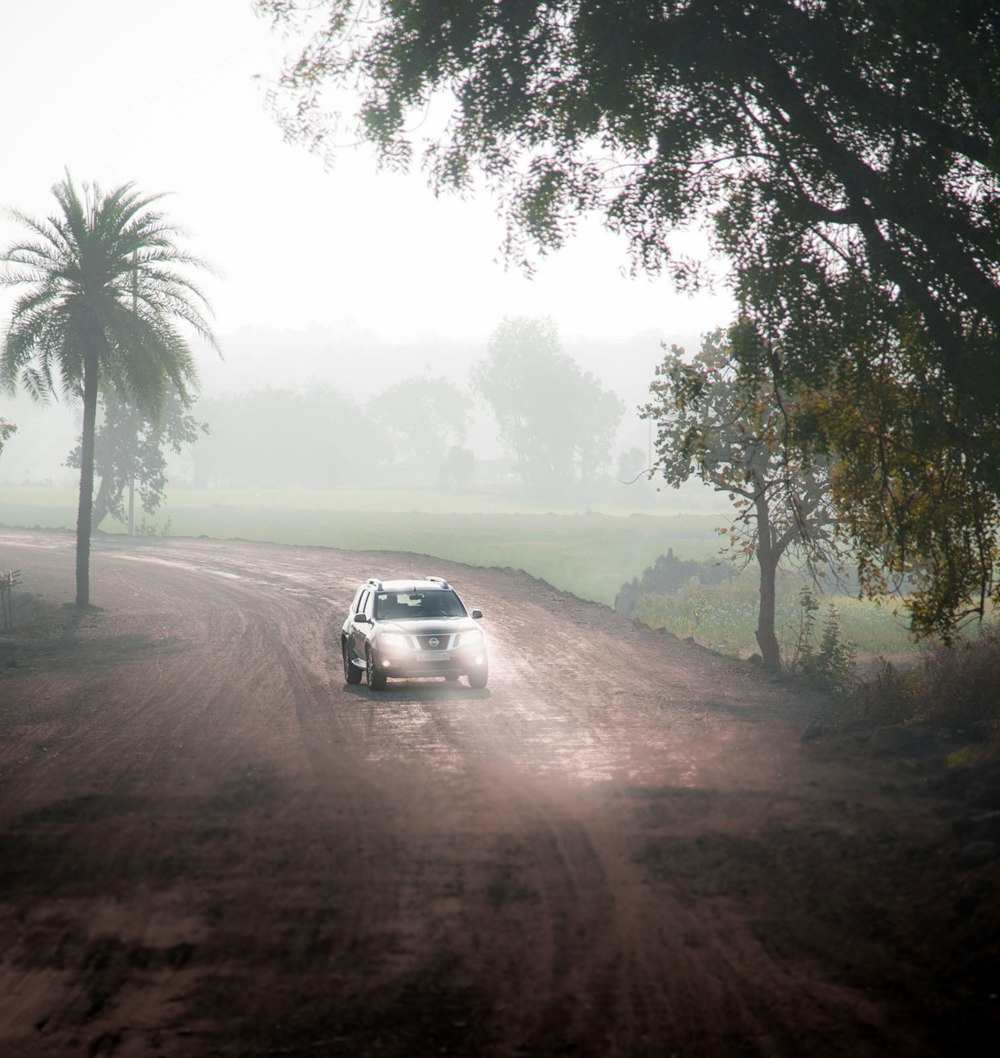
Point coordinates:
[(438, 580), (375, 582)]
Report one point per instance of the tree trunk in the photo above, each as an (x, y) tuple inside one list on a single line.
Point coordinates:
[(767, 637), (85, 510), (767, 559)]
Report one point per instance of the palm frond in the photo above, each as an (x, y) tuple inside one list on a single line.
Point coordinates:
[(103, 273)]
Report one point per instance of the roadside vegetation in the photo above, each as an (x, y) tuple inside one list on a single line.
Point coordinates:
[(724, 617), (954, 685)]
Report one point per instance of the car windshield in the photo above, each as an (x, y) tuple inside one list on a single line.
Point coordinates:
[(417, 605)]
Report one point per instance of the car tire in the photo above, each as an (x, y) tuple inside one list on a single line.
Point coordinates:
[(478, 678), (352, 673), (376, 679)]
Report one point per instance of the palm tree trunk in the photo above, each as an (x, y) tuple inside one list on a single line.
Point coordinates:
[(85, 511)]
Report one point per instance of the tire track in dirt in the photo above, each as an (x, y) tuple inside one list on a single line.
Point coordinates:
[(285, 670)]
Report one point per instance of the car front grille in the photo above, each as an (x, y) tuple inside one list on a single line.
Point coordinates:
[(438, 642)]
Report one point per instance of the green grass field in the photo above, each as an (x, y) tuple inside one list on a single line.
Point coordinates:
[(591, 554)]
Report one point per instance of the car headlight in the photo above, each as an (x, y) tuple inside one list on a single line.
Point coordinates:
[(393, 641), (469, 639)]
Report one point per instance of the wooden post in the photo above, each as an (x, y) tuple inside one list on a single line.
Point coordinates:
[(7, 582)]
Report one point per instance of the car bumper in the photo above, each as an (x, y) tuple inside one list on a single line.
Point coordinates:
[(413, 664)]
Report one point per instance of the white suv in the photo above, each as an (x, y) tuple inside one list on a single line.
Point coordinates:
[(409, 628)]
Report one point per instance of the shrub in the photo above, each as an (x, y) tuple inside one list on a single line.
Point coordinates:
[(888, 695), (825, 660), (667, 575), (145, 528), (955, 684)]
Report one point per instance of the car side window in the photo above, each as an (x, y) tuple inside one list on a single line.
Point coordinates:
[(359, 603), (369, 605)]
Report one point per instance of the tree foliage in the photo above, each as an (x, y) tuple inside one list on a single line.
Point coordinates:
[(103, 283), (556, 420), (847, 154), (734, 433), (908, 489), (6, 430)]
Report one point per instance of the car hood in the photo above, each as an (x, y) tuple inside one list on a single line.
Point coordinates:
[(430, 627)]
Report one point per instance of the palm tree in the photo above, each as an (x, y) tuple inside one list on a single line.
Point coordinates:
[(105, 285)]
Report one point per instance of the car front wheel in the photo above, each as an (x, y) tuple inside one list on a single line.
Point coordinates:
[(352, 674), (376, 679), (478, 678)]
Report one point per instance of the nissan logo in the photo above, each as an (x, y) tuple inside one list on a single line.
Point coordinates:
[(433, 641)]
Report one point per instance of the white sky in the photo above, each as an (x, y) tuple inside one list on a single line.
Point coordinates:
[(164, 93)]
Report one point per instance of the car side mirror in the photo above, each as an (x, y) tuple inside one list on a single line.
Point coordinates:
[(361, 619), (476, 614)]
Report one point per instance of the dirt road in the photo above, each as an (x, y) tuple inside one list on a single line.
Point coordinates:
[(210, 846)]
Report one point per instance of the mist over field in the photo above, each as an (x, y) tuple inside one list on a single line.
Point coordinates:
[(301, 407)]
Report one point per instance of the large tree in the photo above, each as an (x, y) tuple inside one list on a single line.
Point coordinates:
[(847, 154), (733, 433), (104, 282), (556, 420)]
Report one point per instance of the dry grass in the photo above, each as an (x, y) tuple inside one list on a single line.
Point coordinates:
[(958, 685)]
